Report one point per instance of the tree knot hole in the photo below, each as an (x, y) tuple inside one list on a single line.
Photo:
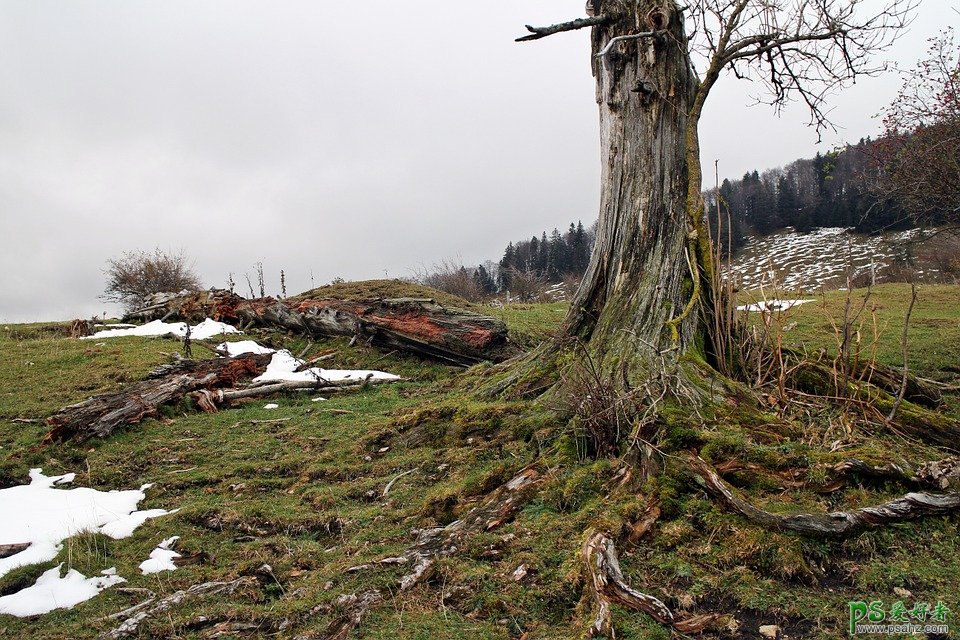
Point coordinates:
[(657, 20)]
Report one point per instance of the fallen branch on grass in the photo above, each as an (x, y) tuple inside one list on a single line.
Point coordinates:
[(837, 524)]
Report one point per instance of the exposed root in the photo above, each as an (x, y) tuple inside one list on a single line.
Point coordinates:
[(137, 614), (837, 524), (498, 508), (355, 606), (608, 586)]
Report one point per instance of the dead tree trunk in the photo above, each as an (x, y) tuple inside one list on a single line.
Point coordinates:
[(100, 415), (413, 325), (635, 297)]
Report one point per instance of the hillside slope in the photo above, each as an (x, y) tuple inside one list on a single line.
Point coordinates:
[(300, 504)]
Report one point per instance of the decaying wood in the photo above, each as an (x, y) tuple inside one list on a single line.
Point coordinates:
[(140, 612), (412, 325), (889, 471), (837, 524), (100, 415), (7, 550), (608, 586)]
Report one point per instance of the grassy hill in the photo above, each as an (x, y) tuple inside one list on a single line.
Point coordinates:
[(301, 489)]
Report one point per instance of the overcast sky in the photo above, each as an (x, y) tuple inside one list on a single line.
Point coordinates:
[(353, 140)]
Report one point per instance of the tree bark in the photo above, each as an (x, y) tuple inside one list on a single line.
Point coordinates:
[(419, 326), (638, 297)]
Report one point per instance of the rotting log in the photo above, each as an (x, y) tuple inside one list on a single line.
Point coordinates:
[(419, 326), (100, 415), (838, 524), (608, 586)]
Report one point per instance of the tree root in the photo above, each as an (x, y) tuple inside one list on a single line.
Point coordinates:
[(498, 508), (837, 524), (137, 614), (609, 586), (356, 606)]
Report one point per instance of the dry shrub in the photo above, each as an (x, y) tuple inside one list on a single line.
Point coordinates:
[(527, 286), (452, 277), (136, 275)]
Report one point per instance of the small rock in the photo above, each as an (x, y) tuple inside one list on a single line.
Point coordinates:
[(520, 573), (771, 631)]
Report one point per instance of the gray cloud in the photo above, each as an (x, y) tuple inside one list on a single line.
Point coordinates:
[(338, 139)]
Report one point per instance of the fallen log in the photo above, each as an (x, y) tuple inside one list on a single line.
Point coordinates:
[(838, 524), (100, 415), (420, 326)]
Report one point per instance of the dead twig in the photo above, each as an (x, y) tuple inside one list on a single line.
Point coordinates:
[(903, 341)]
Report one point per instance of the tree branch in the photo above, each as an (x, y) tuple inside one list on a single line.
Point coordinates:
[(573, 25)]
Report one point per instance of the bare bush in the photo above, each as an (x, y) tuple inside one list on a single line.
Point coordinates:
[(135, 275), (527, 285), (452, 277)]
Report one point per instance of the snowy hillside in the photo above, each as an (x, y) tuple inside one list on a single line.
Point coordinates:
[(819, 259)]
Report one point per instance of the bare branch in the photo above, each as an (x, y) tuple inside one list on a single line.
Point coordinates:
[(573, 25)]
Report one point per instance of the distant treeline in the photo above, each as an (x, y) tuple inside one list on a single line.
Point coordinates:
[(553, 258), (833, 189)]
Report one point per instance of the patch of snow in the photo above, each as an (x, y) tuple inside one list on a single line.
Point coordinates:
[(272, 405), (283, 367), (209, 328), (771, 305), (44, 516), (161, 558), (244, 346), (51, 591), (206, 329)]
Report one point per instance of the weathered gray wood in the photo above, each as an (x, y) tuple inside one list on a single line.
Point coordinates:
[(100, 415), (608, 585), (412, 325), (837, 524)]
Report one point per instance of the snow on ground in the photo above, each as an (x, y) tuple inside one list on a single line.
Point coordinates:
[(283, 366), (771, 305), (43, 515), (51, 591), (206, 329), (244, 346), (161, 558), (821, 258)]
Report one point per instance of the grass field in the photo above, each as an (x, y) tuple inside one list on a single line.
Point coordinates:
[(300, 488)]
